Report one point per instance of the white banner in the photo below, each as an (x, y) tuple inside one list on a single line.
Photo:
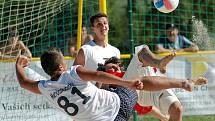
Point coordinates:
[(17, 104), (202, 100)]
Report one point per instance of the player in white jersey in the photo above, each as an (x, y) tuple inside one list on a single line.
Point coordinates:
[(95, 54), (97, 50), (142, 65), (71, 92)]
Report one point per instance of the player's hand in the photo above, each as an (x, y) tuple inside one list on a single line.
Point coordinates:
[(22, 61), (137, 84)]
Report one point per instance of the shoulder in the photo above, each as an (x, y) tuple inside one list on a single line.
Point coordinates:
[(89, 44), (42, 86), (115, 51), (87, 48), (90, 37), (183, 38), (112, 47), (74, 70), (42, 83)]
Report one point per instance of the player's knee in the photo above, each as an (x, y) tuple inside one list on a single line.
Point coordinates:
[(176, 108)]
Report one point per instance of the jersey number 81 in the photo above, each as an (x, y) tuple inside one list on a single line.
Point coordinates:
[(64, 103)]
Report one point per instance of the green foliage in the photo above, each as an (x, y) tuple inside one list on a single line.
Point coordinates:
[(118, 20), (149, 23)]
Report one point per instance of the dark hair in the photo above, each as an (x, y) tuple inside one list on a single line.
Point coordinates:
[(101, 67), (50, 60), (113, 60), (94, 17)]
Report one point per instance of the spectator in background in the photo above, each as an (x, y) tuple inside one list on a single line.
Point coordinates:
[(85, 37), (72, 51), (13, 48), (172, 41)]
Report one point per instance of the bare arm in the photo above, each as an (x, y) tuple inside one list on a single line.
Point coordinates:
[(155, 112), (72, 51), (24, 82), (106, 78), (80, 58), (160, 49), (192, 48), (27, 51)]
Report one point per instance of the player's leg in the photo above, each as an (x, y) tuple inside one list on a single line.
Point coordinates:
[(169, 104), (149, 59), (175, 112), (156, 83), (155, 112)]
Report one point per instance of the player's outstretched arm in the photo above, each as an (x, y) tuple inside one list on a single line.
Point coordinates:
[(103, 77), (24, 82), (25, 48)]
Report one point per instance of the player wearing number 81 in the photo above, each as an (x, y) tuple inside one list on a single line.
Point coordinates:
[(72, 92)]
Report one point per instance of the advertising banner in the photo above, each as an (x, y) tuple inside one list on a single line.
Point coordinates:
[(202, 100)]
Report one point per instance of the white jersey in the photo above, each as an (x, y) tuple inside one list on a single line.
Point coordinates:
[(80, 100), (135, 70), (95, 54)]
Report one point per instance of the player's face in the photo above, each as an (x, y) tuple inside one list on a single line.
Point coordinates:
[(114, 67), (172, 35), (101, 26)]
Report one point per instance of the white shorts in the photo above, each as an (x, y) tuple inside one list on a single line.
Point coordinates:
[(166, 99), (161, 99), (149, 98)]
